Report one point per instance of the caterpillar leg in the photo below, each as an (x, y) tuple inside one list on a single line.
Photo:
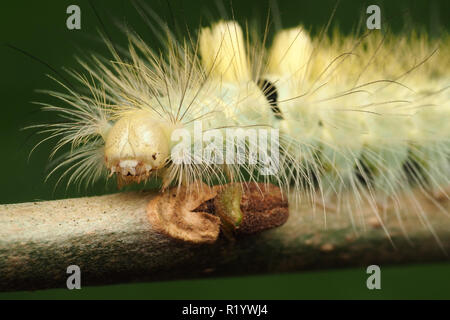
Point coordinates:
[(442, 195)]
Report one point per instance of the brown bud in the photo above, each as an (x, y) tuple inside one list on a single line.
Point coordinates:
[(172, 213), (263, 207), (197, 214)]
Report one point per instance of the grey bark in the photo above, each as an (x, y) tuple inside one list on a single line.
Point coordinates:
[(111, 240)]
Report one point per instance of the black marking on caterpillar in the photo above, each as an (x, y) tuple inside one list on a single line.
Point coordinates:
[(271, 94)]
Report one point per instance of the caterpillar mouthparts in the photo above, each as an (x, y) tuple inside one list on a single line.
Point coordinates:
[(131, 168)]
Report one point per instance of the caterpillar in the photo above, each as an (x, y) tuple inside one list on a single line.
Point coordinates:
[(318, 116)]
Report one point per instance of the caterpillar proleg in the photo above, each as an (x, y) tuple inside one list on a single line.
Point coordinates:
[(364, 115)]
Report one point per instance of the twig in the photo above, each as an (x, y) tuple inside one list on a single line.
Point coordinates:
[(111, 239)]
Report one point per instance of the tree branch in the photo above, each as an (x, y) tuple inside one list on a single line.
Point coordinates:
[(111, 239)]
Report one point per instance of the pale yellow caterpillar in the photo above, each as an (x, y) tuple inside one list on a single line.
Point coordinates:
[(367, 115)]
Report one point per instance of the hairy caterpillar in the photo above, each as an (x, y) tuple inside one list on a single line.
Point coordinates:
[(366, 115)]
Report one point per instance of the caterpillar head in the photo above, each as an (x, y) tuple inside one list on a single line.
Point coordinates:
[(136, 146)]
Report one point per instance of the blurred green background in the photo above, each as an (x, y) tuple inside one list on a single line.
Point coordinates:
[(39, 27)]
